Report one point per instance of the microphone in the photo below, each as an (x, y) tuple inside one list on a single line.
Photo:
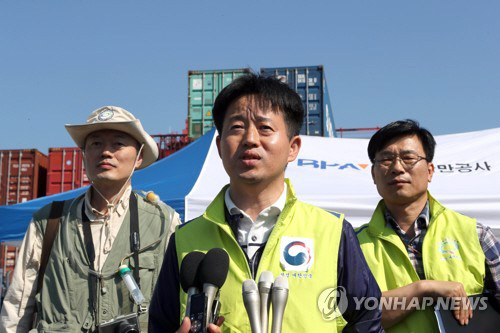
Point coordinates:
[(279, 297), (213, 273), (189, 276), (252, 304), (265, 284)]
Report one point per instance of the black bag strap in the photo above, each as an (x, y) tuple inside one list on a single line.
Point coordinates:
[(135, 239), (48, 239), (87, 238), (89, 248), (134, 236)]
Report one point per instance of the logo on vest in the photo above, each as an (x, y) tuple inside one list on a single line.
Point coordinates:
[(297, 254), (449, 249)]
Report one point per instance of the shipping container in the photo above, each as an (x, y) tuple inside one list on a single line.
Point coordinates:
[(310, 83), (204, 86), (8, 258), (66, 170), (170, 143), (23, 175)]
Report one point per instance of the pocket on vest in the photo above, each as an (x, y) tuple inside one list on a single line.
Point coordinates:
[(147, 272)]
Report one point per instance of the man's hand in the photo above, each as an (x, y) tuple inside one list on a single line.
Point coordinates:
[(462, 309), (427, 288), (212, 328)]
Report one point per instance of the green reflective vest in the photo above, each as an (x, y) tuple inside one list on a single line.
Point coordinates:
[(450, 252), (319, 231), (65, 304)]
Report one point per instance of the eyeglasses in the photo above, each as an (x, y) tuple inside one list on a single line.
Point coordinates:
[(407, 160)]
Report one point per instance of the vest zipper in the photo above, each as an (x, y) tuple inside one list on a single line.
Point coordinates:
[(233, 239), (284, 213)]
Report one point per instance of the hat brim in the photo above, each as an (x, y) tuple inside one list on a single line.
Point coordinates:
[(133, 128)]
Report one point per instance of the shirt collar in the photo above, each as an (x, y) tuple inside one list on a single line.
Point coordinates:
[(422, 219), (119, 209), (278, 205)]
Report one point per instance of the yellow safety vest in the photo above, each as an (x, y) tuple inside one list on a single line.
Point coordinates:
[(319, 231), (450, 252)]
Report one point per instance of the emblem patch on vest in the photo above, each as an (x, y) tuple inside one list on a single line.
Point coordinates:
[(297, 254), (449, 249)]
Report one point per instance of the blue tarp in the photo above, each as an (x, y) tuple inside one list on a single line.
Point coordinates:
[(172, 178)]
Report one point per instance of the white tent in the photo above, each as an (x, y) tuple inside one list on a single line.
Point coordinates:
[(334, 173)]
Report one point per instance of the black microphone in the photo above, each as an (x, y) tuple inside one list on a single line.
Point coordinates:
[(265, 284), (189, 276), (213, 273), (279, 298)]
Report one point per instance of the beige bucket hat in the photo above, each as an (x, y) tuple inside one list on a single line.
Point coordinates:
[(116, 118)]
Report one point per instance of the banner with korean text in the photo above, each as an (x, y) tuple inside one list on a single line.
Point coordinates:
[(335, 174)]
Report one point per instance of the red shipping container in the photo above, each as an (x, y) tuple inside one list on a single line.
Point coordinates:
[(170, 143), (66, 170), (8, 256), (23, 175)]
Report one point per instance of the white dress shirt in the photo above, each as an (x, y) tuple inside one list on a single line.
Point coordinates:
[(253, 234)]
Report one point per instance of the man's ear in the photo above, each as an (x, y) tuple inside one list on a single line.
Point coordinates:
[(217, 142), (430, 169), (140, 159), (295, 144), (373, 174)]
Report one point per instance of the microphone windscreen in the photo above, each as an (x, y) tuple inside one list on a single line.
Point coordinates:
[(189, 270), (249, 286), (281, 282), (214, 267), (266, 279)]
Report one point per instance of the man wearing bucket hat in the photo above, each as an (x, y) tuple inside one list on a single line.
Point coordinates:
[(73, 282)]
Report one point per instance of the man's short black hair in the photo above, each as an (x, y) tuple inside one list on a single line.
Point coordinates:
[(398, 129), (267, 90)]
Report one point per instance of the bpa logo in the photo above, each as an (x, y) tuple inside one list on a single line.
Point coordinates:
[(297, 254)]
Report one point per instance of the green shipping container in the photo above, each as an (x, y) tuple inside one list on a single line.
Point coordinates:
[(204, 86)]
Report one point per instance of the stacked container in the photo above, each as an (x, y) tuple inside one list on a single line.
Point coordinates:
[(310, 83), (23, 175), (66, 170), (8, 257), (170, 143), (204, 86)]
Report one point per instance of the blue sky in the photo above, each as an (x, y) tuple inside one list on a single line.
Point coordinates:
[(434, 61)]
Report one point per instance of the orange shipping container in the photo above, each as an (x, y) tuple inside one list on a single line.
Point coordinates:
[(22, 175)]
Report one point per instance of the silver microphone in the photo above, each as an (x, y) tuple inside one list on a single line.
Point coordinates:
[(279, 298), (210, 291), (251, 300), (213, 272), (265, 284), (191, 291)]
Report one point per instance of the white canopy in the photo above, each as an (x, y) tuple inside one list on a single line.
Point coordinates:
[(334, 173)]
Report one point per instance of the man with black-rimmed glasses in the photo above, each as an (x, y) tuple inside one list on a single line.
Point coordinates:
[(417, 249)]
